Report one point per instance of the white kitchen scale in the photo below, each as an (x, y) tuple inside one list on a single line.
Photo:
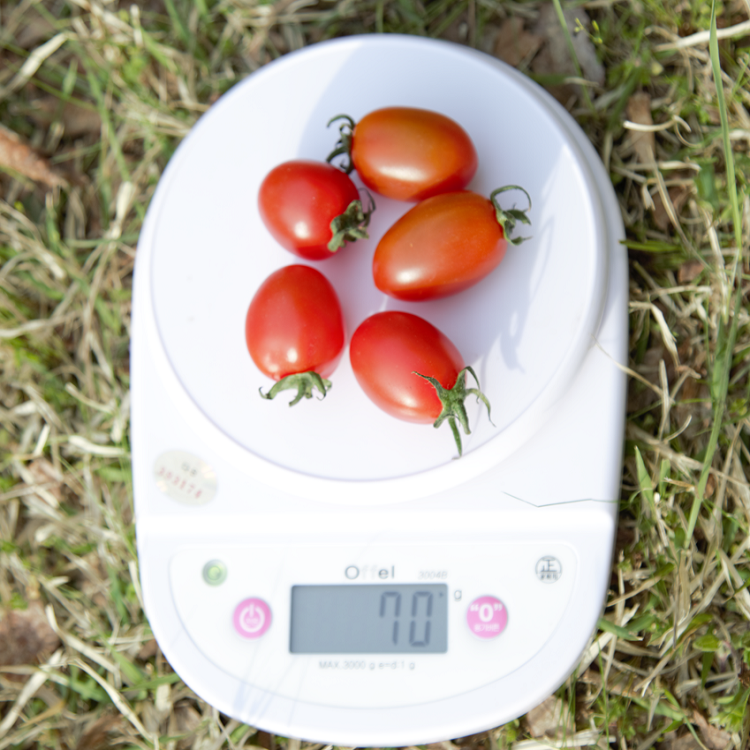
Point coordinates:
[(328, 572)]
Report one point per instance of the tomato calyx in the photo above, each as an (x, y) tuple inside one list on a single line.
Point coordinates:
[(304, 382), (344, 143), (351, 225), (452, 401), (507, 218)]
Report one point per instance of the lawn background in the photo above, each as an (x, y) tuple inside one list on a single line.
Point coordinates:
[(94, 99)]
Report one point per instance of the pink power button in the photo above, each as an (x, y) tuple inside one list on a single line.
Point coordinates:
[(252, 617), (487, 617)]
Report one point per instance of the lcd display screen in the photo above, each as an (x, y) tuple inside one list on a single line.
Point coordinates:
[(369, 619)]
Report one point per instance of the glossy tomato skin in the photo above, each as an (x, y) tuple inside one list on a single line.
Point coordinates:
[(294, 324), (297, 202), (440, 247), (411, 154), (388, 348)]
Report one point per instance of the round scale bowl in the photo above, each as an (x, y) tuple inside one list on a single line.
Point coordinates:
[(525, 329)]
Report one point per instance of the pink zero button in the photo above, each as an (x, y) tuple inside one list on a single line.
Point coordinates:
[(252, 617), (487, 617)]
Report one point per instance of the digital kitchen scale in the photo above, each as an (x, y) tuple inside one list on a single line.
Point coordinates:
[(328, 572)]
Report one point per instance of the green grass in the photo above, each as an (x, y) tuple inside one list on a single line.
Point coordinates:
[(119, 95)]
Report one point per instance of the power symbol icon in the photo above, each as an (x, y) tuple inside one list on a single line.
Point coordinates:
[(252, 617)]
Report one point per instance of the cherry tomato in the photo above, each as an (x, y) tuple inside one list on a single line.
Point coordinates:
[(311, 208), (412, 371), (294, 330), (406, 153), (444, 245)]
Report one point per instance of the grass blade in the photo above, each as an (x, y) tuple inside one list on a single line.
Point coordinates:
[(572, 50), (727, 331)]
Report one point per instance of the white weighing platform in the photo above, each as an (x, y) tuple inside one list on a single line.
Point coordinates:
[(328, 572)]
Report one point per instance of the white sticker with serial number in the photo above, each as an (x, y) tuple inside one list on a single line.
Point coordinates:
[(185, 478)]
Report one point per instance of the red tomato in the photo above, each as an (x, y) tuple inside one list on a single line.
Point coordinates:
[(311, 208), (408, 154), (412, 371), (444, 245), (294, 330)]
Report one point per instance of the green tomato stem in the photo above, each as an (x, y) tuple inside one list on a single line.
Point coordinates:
[(452, 401), (304, 382), (507, 218), (351, 225), (344, 143)]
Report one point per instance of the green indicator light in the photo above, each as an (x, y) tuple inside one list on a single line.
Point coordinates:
[(214, 572)]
